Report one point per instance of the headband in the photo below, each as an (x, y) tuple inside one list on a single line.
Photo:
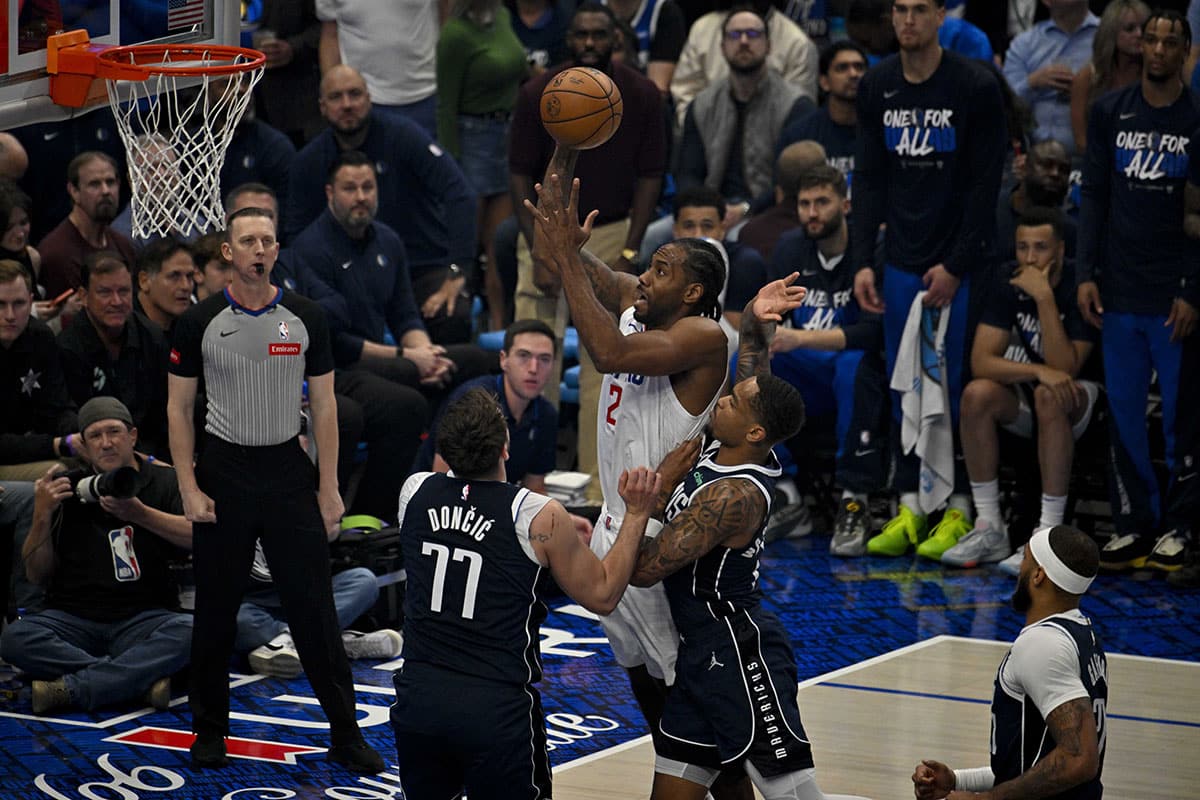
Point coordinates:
[(1059, 573)]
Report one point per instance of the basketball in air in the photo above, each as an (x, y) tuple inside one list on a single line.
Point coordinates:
[(581, 108)]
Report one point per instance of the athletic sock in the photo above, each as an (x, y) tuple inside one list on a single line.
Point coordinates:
[(961, 502), (913, 501), (1053, 510), (987, 502)]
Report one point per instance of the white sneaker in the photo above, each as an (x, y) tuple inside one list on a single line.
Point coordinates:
[(1012, 564), (982, 544), (383, 643), (277, 658)]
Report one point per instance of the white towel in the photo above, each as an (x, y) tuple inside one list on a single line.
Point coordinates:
[(920, 377)]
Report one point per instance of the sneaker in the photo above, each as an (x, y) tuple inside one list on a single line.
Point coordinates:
[(945, 534), (902, 531), (384, 643), (208, 752), (49, 695), (983, 544), (789, 522), (158, 696), (357, 757), (1187, 576), (1012, 564), (850, 530), (1125, 551), (277, 658), (1168, 552)]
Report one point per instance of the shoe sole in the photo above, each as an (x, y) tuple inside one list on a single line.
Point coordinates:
[(1162, 566), (1132, 563), (277, 666)]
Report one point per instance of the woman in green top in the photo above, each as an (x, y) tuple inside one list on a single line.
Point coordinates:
[(480, 65)]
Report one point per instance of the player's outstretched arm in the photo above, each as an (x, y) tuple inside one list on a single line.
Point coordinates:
[(727, 512), (1073, 761), (596, 584), (764, 310)]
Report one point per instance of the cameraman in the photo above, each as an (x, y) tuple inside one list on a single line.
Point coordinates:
[(110, 632)]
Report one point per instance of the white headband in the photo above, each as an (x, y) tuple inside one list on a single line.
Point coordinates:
[(1059, 573)]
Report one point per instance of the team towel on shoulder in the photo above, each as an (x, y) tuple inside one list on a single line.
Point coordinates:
[(920, 378)]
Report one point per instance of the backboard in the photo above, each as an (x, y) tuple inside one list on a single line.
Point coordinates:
[(24, 26)]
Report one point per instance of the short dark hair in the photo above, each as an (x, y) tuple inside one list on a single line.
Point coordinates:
[(86, 157), (348, 158), (106, 262), (151, 259), (593, 7), (831, 52), (822, 175), (472, 434), (700, 196), (1037, 216), (250, 187), (207, 248), (704, 264), (249, 211), (1076, 550), (778, 407), (748, 8), (1172, 16), (528, 326)]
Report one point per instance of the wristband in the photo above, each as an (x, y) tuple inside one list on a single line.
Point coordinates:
[(979, 779), (66, 443), (653, 528)]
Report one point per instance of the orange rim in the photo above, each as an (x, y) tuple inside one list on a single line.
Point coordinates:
[(140, 61)]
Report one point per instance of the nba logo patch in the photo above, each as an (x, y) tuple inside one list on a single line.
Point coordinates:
[(283, 331), (125, 562), (465, 492)]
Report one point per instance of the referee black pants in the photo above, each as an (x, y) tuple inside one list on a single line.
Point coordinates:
[(265, 493)]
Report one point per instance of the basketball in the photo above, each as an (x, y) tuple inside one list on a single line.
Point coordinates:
[(581, 108)]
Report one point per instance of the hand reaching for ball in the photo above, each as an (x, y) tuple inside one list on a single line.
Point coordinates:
[(556, 229)]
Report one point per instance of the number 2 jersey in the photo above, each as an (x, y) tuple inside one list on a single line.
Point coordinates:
[(1052, 662), (471, 603)]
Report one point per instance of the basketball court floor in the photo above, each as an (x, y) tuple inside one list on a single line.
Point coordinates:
[(896, 661)]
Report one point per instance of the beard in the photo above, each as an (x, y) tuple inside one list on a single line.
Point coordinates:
[(1039, 194), (105, 213), (747, 69), (1021, 599), (827, 230)]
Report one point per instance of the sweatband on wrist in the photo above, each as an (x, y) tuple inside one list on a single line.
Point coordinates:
[(979, 779), (653, 528)]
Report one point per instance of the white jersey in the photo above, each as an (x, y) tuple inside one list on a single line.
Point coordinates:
[(639, 422)]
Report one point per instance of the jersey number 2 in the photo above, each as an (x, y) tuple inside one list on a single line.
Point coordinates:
[(614, 393), (443, 556)]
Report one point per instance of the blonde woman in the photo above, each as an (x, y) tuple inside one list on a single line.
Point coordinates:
[(1116, 61)]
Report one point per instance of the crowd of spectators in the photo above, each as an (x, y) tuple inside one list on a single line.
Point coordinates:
[(1058, 213)]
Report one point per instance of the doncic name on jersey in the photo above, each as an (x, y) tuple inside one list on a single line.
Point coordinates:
[(463, 520), (1150, 155), (919, 131)]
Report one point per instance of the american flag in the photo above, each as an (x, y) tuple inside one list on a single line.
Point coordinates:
[(184, 13)]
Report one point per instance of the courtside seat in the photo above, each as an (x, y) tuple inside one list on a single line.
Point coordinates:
[(568, 391)]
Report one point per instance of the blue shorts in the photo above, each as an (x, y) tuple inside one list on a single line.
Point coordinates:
[(456, 731), (483, 148), (734, 698)]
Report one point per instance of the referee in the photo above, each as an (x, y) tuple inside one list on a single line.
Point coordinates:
[(255, 344)]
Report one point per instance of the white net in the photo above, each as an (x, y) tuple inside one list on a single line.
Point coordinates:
[(176, 130)]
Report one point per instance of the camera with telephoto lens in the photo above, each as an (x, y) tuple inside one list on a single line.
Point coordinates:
[(90, 486)]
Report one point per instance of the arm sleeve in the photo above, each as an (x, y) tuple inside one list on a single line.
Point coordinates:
[(451, 73), (185, 358), (1017, 68), (870, 178), (670, 34), (1044, 665), (692, 168), (985, 144), (1094, 195)]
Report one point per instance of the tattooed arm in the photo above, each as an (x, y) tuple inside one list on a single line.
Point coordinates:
[(595, 584), (725, 512), (758, 325)]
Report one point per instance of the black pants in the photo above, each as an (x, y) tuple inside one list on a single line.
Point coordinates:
[(1183, 494), (265, 493), (393, 418)]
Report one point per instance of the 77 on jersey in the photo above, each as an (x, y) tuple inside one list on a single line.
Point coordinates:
[(443, 556)]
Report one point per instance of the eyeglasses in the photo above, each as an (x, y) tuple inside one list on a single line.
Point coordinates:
[(753, 34)]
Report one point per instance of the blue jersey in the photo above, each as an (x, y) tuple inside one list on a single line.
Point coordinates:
[(471, 603), (1020, 738), (723, 580)]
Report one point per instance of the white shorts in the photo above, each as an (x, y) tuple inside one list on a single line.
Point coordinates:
[(1023, 425), (640, 629)]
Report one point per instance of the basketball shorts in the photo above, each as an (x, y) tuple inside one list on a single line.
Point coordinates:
[(734, 698), (456, 731), (640, 629), (1026, 422)]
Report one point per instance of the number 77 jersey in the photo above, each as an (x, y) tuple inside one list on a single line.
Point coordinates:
[(471, 603)]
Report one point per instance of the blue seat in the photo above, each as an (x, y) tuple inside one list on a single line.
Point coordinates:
[(568, 390)]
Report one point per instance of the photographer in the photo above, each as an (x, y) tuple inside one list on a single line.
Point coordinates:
[(110, 632)]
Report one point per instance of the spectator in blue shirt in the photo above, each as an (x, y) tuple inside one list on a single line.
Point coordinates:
[(1042, 62)]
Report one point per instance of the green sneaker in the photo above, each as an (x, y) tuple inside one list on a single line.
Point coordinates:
[(945, 534), (905, 529)]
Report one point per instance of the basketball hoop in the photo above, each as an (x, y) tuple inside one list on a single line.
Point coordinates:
[(176, 106)]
